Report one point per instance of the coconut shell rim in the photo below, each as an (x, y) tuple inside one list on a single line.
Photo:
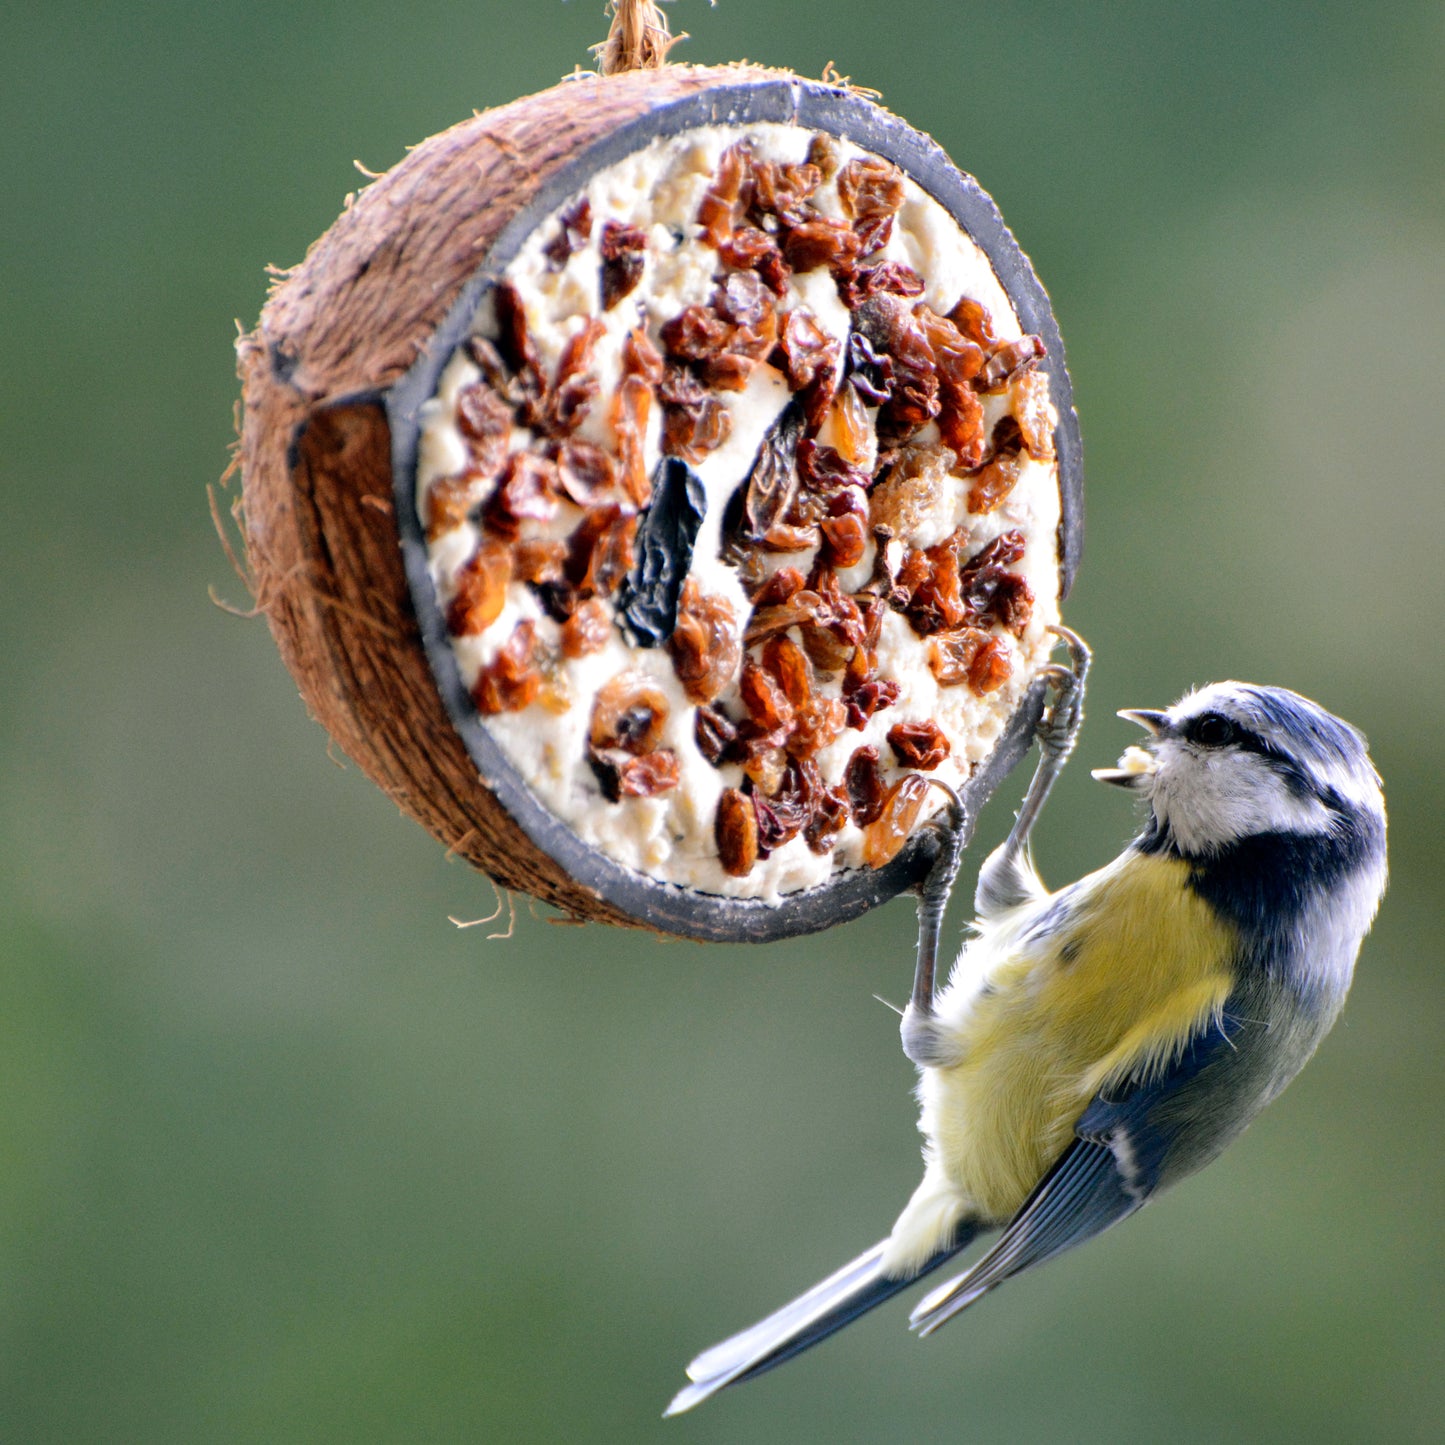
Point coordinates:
[(845, 114)]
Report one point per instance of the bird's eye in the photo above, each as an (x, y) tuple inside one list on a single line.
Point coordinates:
[(1213, 731)]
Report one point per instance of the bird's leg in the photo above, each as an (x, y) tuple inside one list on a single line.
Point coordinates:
[(1007, 877), (920, 1037)]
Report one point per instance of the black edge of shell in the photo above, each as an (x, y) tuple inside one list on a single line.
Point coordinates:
[(848, 116)]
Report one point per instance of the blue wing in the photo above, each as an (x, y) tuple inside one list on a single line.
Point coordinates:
[(1123, 1140)]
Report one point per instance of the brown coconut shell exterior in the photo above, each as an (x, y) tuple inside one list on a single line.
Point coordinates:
[(321, 538)]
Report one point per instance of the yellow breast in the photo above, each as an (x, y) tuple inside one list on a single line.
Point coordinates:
[(1044, 1018)]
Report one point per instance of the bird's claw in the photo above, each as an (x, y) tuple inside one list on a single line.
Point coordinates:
[(1064, 711)]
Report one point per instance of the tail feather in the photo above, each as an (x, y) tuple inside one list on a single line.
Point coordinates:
[(801, 1323)]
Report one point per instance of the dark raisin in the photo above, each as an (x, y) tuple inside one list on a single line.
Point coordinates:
[(870, 373), (714, 733), (920, 744), (587, 630), (623, 249), (873, 696), (584, 472), (510, 680), (574, 228), (600, 550), (863, 783), (820, 242), (704, 644), (663, 545), (763, 500), (821, 469), (526, 493), (857, 284), (806, 347), (621, 775), (695, 333), (1009, 358), (735, 828)]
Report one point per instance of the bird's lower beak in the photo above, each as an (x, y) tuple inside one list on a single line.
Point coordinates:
[(1135, 769)]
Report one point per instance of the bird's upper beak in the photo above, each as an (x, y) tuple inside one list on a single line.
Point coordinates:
[(1137, 765)]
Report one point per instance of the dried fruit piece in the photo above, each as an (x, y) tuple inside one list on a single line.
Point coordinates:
[(539, 560), (629, 713), (621, 775), (807, 348), (846, 539), (1034, 412), (951, 654), (714, 732), (870, 186), (883, 838), (857, 284), (827, 818), (735, 829), (584, 472), (726, 201), (863, 783), (1008, 358), (575, 388), (921, 744), (782, 191), (974, 320), (870, 372), (630, 411), (691, 432), (764, 499), (510, 680), (992, 666), (820, 242), (481, 590), (574, 230), (989, 590), (991, 484), (816, 725), (484, 418), (869, 697), (766, 701), (449, 501), (526, 493), (852, 430), (640, 357), (623, 248), (600, 551), (704, 644), (663, 544), (587, 630), (916, 495)]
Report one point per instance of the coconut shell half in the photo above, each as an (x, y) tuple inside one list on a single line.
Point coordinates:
[(350, 345)]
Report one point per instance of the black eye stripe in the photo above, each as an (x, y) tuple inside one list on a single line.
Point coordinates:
[(1296, 779)]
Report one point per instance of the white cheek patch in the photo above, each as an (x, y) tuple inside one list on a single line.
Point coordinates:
[(1207, 801)]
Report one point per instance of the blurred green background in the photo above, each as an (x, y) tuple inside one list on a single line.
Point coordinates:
[(286, 1157)]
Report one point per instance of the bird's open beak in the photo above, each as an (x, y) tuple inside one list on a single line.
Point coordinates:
[(1137, 766)]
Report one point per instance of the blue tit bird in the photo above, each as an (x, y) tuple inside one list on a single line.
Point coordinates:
[(1094, 1045)]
